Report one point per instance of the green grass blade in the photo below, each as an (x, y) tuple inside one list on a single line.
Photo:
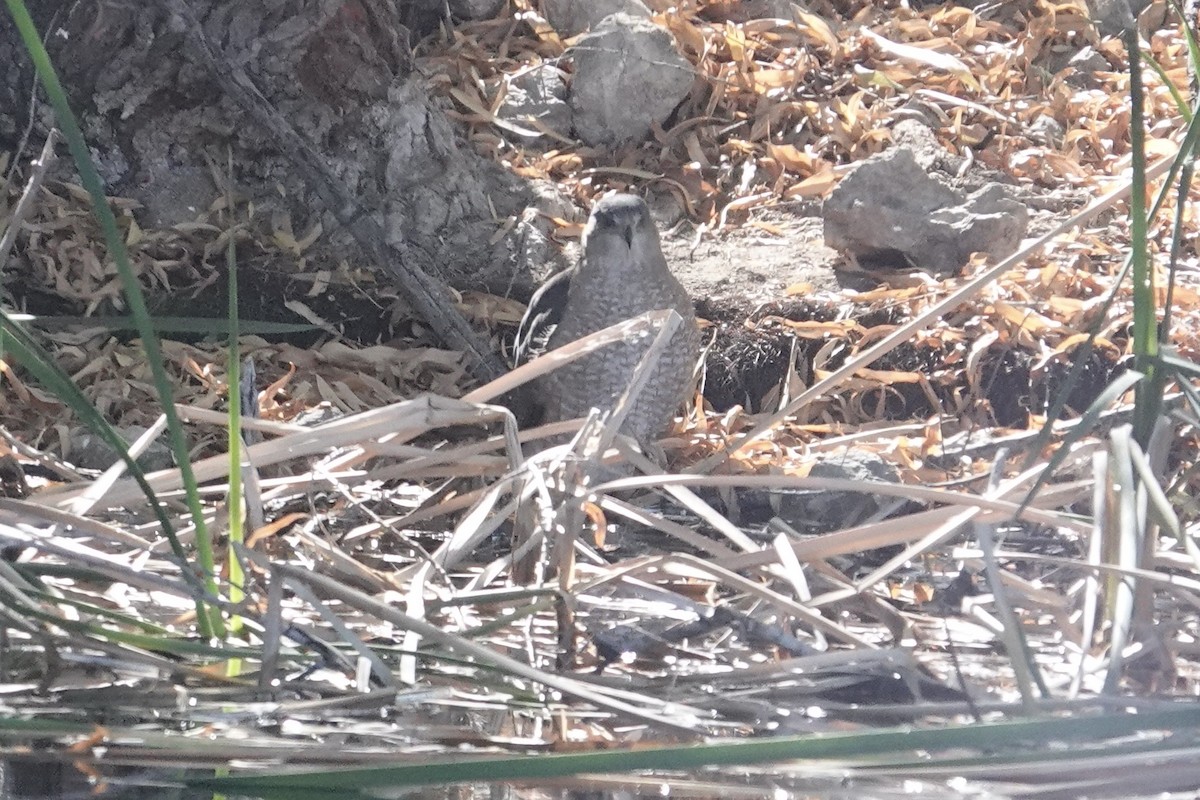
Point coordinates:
[(838, 747), (1145, 319), (237, 515), (17, 342), (210, 621)]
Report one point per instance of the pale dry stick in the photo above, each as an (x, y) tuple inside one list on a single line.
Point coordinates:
[(28, 197), (120, 657), (421, 458), (52, 464), (422, 462), (902, 333), (893, 531), (218, 753), (1168, 582), (561, 512), (480, 522), (921, 493), (301, 481), (342, 432), (220, 419), (547, 362), (404, 420), (790, 568), (692, 502), (761, 672), (445, 412), (390, 699), (1091, 582), (978, 108), (473, 452), (1049, 599), (544, 470), (871, 432), (1127, 509), (343, 562), (120, 568), (884, 612), (958, 445), (687, 720), (755, 588), (494, 570), (826, 570), (535, 485), (1015, 644), (305, 593), (637, 382), (444, 508), (476, 525), (69, 525), (426, 463), (691, 568), (945, 531), (450, 505), (289, 485), (99, 487), (1034, 596), (1187, 589), (683, 533)]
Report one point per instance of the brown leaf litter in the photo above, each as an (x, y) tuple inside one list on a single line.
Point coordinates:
[(389, 526)]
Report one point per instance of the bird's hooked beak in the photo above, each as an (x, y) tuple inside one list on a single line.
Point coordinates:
[(612, 224), (620, 218), (625, 229)]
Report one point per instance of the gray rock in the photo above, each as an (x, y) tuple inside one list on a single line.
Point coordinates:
[(1049, 129), (889, 210), (916, 135), (827, 511), (628, 76), (538, 93), (1085, 67), (89, 451), (573, 17), (528, 245), (746, 10)]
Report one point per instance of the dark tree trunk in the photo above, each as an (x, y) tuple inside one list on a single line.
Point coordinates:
[(340, 72)]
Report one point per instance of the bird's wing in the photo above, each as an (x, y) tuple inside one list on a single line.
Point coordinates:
[(542, 316)]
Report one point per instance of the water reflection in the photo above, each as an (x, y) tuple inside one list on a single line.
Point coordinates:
[(30, 778), (44, 779)]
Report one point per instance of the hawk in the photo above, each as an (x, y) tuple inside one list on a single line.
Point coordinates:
[(622, 274)]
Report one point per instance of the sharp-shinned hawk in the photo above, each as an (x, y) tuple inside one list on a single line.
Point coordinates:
[(623, 274)]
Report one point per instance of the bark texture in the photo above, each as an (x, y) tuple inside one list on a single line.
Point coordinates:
[(340, 71)]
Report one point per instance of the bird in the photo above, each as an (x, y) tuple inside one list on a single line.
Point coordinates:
[(622, 274)]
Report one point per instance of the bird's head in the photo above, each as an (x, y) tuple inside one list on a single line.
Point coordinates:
[(620, 231)]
